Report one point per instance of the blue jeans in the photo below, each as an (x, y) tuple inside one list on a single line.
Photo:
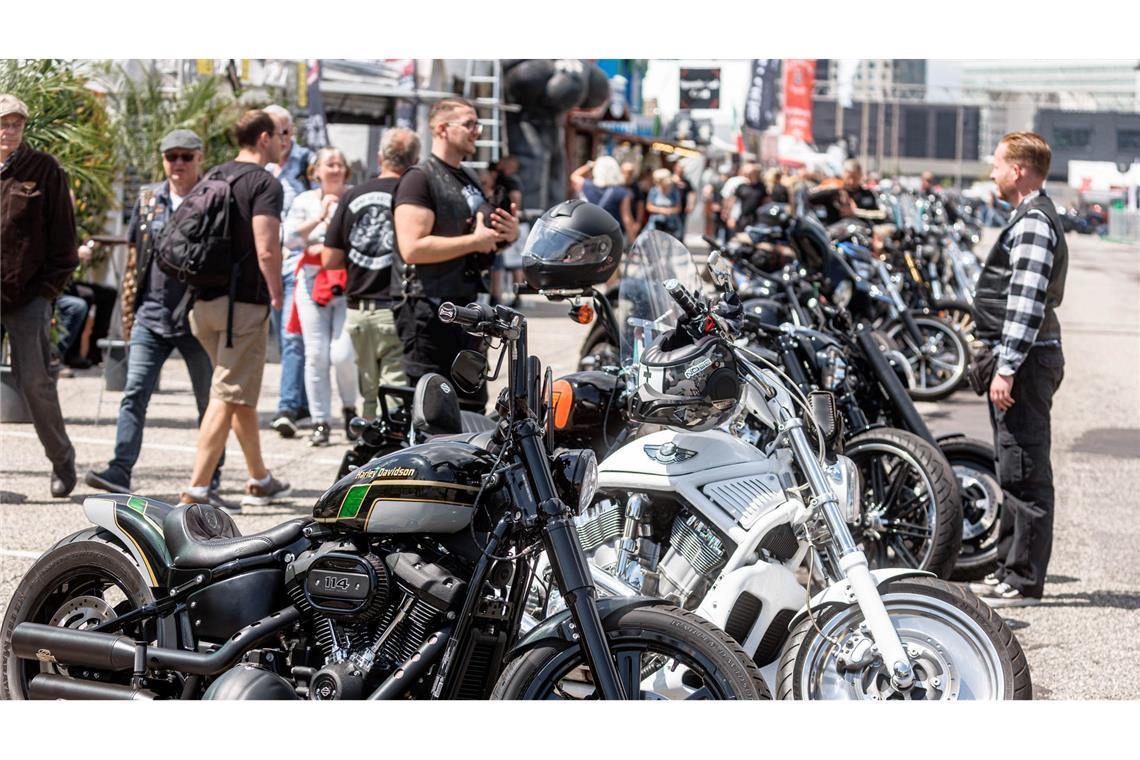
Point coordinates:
[(292, 347), (72, 313), (148, 352)]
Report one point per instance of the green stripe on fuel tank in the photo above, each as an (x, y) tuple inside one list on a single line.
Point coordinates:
[(136, 503), (350, 507)]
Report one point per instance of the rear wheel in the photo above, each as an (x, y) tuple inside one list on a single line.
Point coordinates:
[(598, 351), (74, 585), (661, 652), (912, 510), (973, 463)]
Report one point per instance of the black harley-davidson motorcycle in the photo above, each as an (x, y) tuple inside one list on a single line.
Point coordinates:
[(409, 581)]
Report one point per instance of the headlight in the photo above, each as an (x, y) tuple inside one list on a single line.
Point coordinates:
[(576, 477), (846, 484)]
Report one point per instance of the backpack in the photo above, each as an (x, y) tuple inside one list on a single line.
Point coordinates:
[(196, 246)]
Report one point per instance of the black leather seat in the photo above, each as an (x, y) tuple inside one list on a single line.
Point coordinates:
[(200, 535), (473, 422)]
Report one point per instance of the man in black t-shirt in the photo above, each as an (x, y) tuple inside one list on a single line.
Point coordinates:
[(442, 219), (751, 195), (238, 367), (362, 238)]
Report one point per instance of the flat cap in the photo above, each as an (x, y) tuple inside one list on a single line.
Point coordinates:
[(10, 104), (180, 138)]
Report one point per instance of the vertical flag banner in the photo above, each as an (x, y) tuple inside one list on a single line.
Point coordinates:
[(799, 81), (760, 104)]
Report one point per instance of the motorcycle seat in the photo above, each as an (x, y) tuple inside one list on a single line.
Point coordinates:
[(203, 536), (473, 422), (435, 407)]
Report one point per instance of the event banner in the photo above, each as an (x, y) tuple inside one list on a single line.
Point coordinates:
[(799, 81), (700, 88), (760, 105)]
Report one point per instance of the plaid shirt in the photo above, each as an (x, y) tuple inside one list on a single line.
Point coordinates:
[(1031, 244)]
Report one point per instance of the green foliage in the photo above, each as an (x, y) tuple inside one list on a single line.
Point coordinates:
[(144, 111), (69, 120)]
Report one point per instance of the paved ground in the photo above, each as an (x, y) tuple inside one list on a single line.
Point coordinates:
[(1082, 642)]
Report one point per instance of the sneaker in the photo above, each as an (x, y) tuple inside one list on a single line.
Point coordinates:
[(302, 417), (285, 424), (107, 480), (262, 496), (214, 498), (320, 435), (349, 414), (1005, 595), (985, 586)]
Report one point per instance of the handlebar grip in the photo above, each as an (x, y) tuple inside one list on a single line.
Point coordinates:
[(466, 316), (687, 303), (715, 245)]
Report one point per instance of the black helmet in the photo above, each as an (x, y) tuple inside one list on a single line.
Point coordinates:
[(572, 246), (692, 385)]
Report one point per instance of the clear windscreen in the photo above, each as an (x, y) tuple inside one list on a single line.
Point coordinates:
[(645, 308)]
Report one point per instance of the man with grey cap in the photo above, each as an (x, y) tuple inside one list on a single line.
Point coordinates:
[(158, 327), (38, 255)]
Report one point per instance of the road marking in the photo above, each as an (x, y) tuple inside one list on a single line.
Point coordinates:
[(230, 452)]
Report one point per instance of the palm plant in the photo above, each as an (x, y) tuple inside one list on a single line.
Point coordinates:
[(69, 120)]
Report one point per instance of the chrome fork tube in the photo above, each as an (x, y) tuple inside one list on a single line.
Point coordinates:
[(627, 554), (852, 561)]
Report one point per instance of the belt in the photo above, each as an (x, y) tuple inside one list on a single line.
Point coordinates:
[(369, 304)]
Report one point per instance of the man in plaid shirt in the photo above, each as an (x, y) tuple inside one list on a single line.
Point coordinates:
[(1021, 285)]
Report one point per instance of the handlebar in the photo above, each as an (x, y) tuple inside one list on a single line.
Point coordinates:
[(465, 316), (687, 303), (713, 244)]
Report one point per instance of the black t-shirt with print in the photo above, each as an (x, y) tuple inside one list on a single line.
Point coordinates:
[(256, 193), (363, 228)]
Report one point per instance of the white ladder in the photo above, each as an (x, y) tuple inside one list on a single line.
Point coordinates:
[(492, 144)]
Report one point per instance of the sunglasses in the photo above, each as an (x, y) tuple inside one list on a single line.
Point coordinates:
[(470, 125), (184, 157)]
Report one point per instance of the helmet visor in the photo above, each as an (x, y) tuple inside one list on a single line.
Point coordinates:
[(553, 245)]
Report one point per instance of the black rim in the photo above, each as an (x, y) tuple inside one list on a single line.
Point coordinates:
[(566, 676), (898, 523)]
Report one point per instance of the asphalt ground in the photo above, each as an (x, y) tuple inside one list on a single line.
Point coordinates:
[(1082, 642)]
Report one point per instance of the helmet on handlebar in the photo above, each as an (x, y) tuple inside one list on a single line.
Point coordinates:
[(686, 384), (574, 245)]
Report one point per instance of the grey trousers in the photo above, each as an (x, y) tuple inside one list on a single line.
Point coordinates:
[(27, 328)]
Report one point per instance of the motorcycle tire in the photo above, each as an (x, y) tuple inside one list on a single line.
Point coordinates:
[(79, 583), (934, 378), (959, 648), (973, 463), (717, 667), (598, 351), (904, 476)]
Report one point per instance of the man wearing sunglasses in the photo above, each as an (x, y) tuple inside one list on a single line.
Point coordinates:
[(157, 331), (37, 258), (443, 220)]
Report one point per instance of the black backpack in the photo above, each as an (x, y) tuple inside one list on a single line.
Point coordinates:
[(197, 243)]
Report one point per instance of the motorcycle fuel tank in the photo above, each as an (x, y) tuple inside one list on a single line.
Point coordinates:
[(673, 453), (430, 488)]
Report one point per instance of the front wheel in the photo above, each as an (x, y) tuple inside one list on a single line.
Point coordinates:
[(973, 463), (912, 509), (958, 647), (939, 363), (662, 652)]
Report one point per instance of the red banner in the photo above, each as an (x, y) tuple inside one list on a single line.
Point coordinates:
[(799, 81)]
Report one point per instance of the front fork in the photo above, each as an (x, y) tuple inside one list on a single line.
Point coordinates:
[(852, 561)]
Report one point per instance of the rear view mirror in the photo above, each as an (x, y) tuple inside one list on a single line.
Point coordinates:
[(719, 270), (468, 371)]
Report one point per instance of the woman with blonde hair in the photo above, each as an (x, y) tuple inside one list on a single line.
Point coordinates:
[(319, 305), (601, 182), (664, 205)]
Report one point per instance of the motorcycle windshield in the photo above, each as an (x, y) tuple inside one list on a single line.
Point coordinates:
[(645, 308)]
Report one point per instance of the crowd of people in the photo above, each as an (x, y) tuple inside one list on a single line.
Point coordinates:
[(346, 279)]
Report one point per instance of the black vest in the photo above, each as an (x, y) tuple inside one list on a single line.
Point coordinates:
[(453, 217), (993, 285)]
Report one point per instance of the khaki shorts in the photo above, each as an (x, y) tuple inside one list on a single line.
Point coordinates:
[(237, 370)]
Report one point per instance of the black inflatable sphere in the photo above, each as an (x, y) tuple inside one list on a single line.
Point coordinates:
[(525, 82), (597, 87), (567, 88)]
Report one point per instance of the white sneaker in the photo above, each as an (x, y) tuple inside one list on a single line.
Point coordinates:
[(985, 586), (262, 496), (1005, 595)]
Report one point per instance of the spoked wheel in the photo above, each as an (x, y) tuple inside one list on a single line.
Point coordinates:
[(938, 363), (661, 652), (960, 316), (912, 510), (973, 463), (598, 352), (75, 585), (958, 648)]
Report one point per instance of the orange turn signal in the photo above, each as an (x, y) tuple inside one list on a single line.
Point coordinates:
[(563, 398), (583, 314)]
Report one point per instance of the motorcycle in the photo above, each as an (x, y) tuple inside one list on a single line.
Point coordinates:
[(722, 528), (409, 581)]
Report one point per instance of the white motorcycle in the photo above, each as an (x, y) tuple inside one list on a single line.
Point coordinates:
[(756, 540)]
